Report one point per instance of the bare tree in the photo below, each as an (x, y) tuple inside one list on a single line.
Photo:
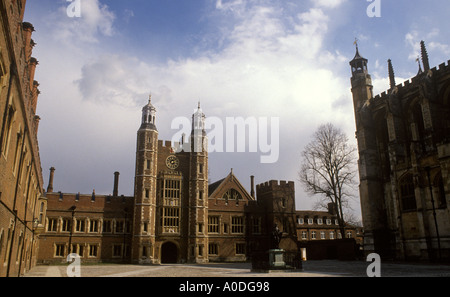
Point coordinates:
[(328, 169)]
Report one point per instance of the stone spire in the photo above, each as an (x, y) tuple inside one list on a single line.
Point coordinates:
[(425, 60), (391, 74)]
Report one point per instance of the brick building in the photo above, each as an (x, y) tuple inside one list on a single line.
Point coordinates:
[(22, 207), (404, 148), (175, 216)]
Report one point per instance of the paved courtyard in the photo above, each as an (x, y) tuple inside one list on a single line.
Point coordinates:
[(243, 270)]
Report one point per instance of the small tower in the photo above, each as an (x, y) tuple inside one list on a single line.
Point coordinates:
[(371, 186), (145, 188), (198, 190), (361, 80)]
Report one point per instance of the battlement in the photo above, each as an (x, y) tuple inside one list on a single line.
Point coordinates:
[(274, 185), (167, 144), (58, 201), (411, 83)]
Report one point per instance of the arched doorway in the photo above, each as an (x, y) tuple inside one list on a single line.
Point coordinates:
[(169, 253)]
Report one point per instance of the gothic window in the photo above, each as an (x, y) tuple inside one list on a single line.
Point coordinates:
[(382, 135), (417, 124), (407, 194), (7, 130)]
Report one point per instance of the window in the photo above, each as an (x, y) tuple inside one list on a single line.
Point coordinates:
[(93, 228), (213, 249), (232, 194), (59, 250), (107, 226), (322, 235), (200, 227), (41, 213), (213, 224), (7, 130), (225, 228), (300, 221), (332, 235), (319, 221), (304, 235), (313, 235), (78, 249), (80, 226), (170, 220), (256, 225), (328, 222), (237, 225), (120, 227), (349, 234), (93, 251), (408, 198), (66, 225), (240, 248), (52, 225), (310, 221)]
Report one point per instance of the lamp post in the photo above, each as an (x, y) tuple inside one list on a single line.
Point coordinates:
[(428, 169), (71, 228)]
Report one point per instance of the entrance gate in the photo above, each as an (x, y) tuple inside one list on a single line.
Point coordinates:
[(169, 253)]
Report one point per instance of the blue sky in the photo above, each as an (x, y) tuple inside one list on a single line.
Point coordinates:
[(255, 58)]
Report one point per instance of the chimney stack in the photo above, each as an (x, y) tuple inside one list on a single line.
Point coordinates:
[(116, 184), (252, 193), (50, 182)]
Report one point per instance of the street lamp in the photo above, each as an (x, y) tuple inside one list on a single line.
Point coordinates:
[(71, 228)]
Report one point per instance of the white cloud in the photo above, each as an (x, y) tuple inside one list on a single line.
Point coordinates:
[(328, 3), (268, 66), (96, 20)]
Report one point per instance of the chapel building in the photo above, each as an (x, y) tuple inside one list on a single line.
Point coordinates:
[(404, 161)]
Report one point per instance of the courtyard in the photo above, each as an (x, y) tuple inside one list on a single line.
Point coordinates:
[(326, 268)]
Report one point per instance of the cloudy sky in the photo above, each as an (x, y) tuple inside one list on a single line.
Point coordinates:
[(286, 59)]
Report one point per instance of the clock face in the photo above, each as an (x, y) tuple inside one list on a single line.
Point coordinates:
[(172, 162)]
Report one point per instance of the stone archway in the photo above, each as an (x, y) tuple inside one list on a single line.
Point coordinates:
[(169, 253)]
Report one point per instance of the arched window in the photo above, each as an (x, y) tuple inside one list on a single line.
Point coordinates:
[(407, 194), (417, 123), (382, 135)]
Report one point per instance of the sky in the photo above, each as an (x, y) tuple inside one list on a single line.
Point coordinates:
[(251, 59)]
